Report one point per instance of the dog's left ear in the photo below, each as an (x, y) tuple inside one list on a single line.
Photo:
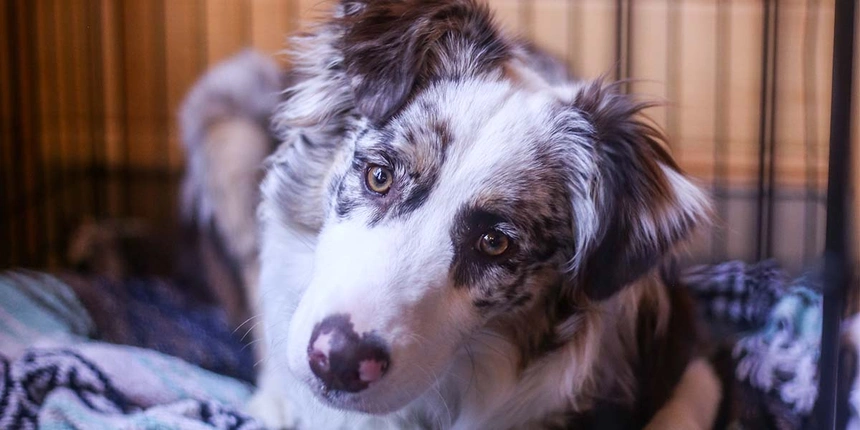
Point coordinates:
[(390, 47), (644, 205)]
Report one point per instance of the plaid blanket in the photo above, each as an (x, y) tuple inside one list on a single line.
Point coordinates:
[(769, 327)]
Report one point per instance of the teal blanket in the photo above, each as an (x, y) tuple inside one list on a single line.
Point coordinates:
[(54, 375)]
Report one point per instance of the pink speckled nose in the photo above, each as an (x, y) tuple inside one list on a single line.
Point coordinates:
[(343, 360)]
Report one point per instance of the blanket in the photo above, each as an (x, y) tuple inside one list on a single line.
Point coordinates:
[(139, 354), (55, 375), (770, 325)]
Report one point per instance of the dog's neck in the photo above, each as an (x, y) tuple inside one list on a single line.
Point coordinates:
[(494, 383)]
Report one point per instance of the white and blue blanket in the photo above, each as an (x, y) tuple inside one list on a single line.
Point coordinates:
[(141, 356), (54, 376)]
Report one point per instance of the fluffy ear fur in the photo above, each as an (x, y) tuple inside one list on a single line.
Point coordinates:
[(645, 205), (391, 47)]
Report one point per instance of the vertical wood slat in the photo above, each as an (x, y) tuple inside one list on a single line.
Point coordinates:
[(650, 32), (574, 35), (79, 110), (6, 122), (35, 159), (149, 53), (695, 101), (96, 114), (597, 45), (64, 73), (802, 121), (112, 99), (272, 21), (227, 28), (77, 64), (65, 151), (146, 112), (25, 129), (112, 85), (744, 84), (552, 27), (508, 15), (184, 27), (23, 120), (719, 186), (49, 115), (143, 63)]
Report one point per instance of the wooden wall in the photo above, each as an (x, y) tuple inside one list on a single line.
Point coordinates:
[(89, 88)]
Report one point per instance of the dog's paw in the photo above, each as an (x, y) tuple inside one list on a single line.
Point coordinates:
[(273, 410)]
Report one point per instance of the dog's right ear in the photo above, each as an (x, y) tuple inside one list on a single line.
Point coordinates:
[(390, 47), (644, 205)]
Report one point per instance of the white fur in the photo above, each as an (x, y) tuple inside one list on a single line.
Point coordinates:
[(394, 280)]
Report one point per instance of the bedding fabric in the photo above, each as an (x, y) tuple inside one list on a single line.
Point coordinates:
[(53, 375), (139, 354), (767, 328)]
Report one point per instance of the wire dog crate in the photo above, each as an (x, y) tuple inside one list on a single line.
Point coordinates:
[(754, 91)]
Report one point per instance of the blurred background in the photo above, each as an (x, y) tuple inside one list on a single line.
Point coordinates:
[(89, 90)]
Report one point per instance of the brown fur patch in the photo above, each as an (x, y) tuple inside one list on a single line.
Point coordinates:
[(663, 356), (390, 47)]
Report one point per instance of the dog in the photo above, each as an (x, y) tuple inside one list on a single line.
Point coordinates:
[(454, 233)]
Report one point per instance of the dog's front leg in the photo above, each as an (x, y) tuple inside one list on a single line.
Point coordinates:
[(271, 404), (273, 410), (281, 403), (694, 404), (277, 411)]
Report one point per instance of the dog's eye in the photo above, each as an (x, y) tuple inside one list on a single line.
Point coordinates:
[(379, 179), (493, 243)]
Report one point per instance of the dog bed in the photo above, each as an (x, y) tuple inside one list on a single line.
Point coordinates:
[(91, 353)]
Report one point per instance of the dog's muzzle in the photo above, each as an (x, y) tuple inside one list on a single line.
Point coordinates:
[(344, 360)]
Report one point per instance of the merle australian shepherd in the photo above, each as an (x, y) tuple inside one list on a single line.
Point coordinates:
[(451, 231)]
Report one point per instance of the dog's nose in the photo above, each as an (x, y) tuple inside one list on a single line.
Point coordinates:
[(343, 360)]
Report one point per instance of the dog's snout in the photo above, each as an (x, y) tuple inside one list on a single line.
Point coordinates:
[(344, 360)]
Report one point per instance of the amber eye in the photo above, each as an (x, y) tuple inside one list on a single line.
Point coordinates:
[(493, 243), (379, 179)]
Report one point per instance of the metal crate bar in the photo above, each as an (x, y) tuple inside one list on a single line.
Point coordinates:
[(836, 265)]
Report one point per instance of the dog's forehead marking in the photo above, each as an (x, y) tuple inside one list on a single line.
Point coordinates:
[(495, 145)]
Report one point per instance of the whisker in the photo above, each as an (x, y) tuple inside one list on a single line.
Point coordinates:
[(260, 361), (246, 322), (474, 373), (442, 398), (250, 330), (250, 343)]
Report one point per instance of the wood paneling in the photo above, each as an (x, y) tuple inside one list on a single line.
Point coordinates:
[(130, 63), (272, 21), (7, 172), (112, 85), (227, 27), (89, 86), (143, 64), (185, 59)]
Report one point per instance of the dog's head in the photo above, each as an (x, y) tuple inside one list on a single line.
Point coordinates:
[(466, 188)]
